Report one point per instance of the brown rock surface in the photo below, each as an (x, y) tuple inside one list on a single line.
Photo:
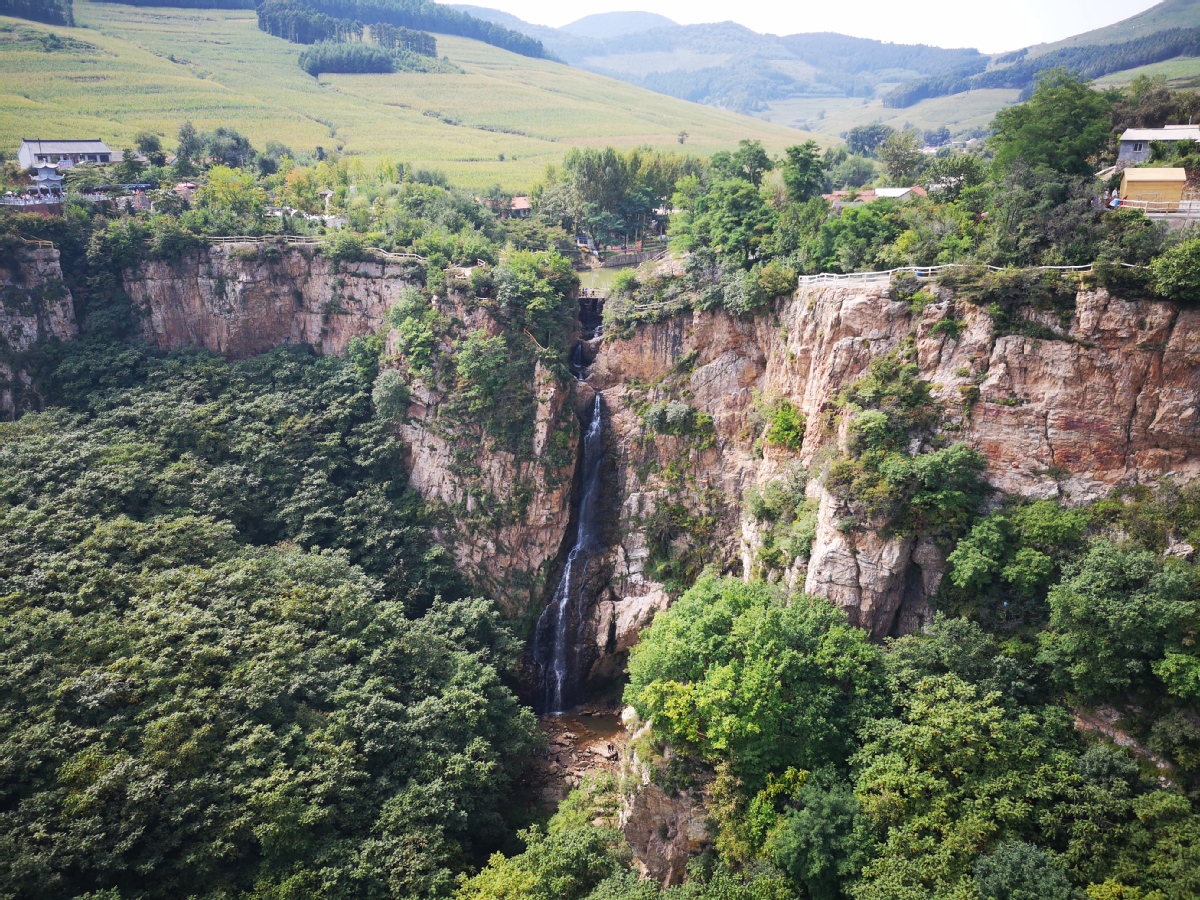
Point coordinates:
[(243, 299), (1113, 403), (35, 306)]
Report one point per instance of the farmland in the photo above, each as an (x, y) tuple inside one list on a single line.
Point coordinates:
[(502, 120)]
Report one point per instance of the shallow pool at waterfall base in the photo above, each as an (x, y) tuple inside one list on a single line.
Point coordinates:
[(593, 725)]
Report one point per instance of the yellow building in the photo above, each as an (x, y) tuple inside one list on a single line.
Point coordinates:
[(1153, 187)]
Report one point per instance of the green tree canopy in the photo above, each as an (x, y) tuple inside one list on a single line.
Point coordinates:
[(737, 671), (803, 172), (1062, 126)]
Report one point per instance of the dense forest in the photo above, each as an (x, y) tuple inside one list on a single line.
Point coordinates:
[(418, 15), (238, 663), (356, 58), (52, 12)]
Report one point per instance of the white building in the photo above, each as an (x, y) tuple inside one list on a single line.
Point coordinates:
[(65, 154)]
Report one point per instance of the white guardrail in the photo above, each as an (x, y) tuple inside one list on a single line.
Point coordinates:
[(1177, 209), (928, 271), (302, 240)]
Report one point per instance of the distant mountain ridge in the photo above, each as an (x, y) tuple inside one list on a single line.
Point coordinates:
[(1168, 30), (726, 64), (615, 24)]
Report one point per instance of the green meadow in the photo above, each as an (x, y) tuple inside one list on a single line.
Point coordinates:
[(501, 120)]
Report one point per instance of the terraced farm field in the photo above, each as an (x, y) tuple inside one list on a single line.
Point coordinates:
[(501, 120)]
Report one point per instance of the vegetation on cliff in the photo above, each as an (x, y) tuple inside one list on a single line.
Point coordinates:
[(942, 764)]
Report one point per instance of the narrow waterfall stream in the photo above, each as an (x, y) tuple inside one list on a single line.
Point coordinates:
[(560, 628)]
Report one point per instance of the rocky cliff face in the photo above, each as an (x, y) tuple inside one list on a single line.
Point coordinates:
[(1113, 401), (243, 299), (504, 511), (35, 306)]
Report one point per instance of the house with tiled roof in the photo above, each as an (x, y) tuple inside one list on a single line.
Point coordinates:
[(64, 154)]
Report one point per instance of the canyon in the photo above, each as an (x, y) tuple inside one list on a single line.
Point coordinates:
[(1101, 399), (1111, 401)]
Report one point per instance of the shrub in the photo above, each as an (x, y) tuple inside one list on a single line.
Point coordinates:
[(775, 280), (345, 246), (625, 282), (169, 239), (678, 419), (787, 427), (1177, 272)]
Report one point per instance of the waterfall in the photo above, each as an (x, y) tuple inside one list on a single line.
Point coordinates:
[(559, 629)]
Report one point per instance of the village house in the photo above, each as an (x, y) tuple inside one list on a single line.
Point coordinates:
[(65, 154), (1159, 190), (1135, 142), (521, 207)]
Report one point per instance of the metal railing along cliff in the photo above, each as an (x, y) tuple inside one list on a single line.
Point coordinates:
[(304, 240)]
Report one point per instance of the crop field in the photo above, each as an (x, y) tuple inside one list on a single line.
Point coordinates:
[(832, 116), (500, 121)]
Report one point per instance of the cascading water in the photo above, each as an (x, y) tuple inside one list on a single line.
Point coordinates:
[(557, 638)]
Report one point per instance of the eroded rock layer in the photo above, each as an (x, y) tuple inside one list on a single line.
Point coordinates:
[(1113, 402), (243, 299)]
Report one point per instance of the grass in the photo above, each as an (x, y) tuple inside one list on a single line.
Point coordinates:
[(833, 116), (1181, 72), (152, 68)]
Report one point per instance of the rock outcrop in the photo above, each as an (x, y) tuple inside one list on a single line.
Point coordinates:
[(1113, 402), (35, 305), (243, 299), (502, 511), (663, 829)]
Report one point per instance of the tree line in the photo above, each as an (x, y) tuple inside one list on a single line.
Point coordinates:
[(422, 15), (52, 12)]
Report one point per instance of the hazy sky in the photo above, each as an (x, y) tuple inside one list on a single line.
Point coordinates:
[(989, 25)]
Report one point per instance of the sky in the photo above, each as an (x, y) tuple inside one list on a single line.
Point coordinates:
[(988, 25)]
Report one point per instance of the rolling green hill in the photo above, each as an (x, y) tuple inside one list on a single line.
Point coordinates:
[(1165, 15), (151, 68)]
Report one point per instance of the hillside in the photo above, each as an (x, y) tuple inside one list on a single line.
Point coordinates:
[(503, 119), (1168, 14), (829, 83)]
